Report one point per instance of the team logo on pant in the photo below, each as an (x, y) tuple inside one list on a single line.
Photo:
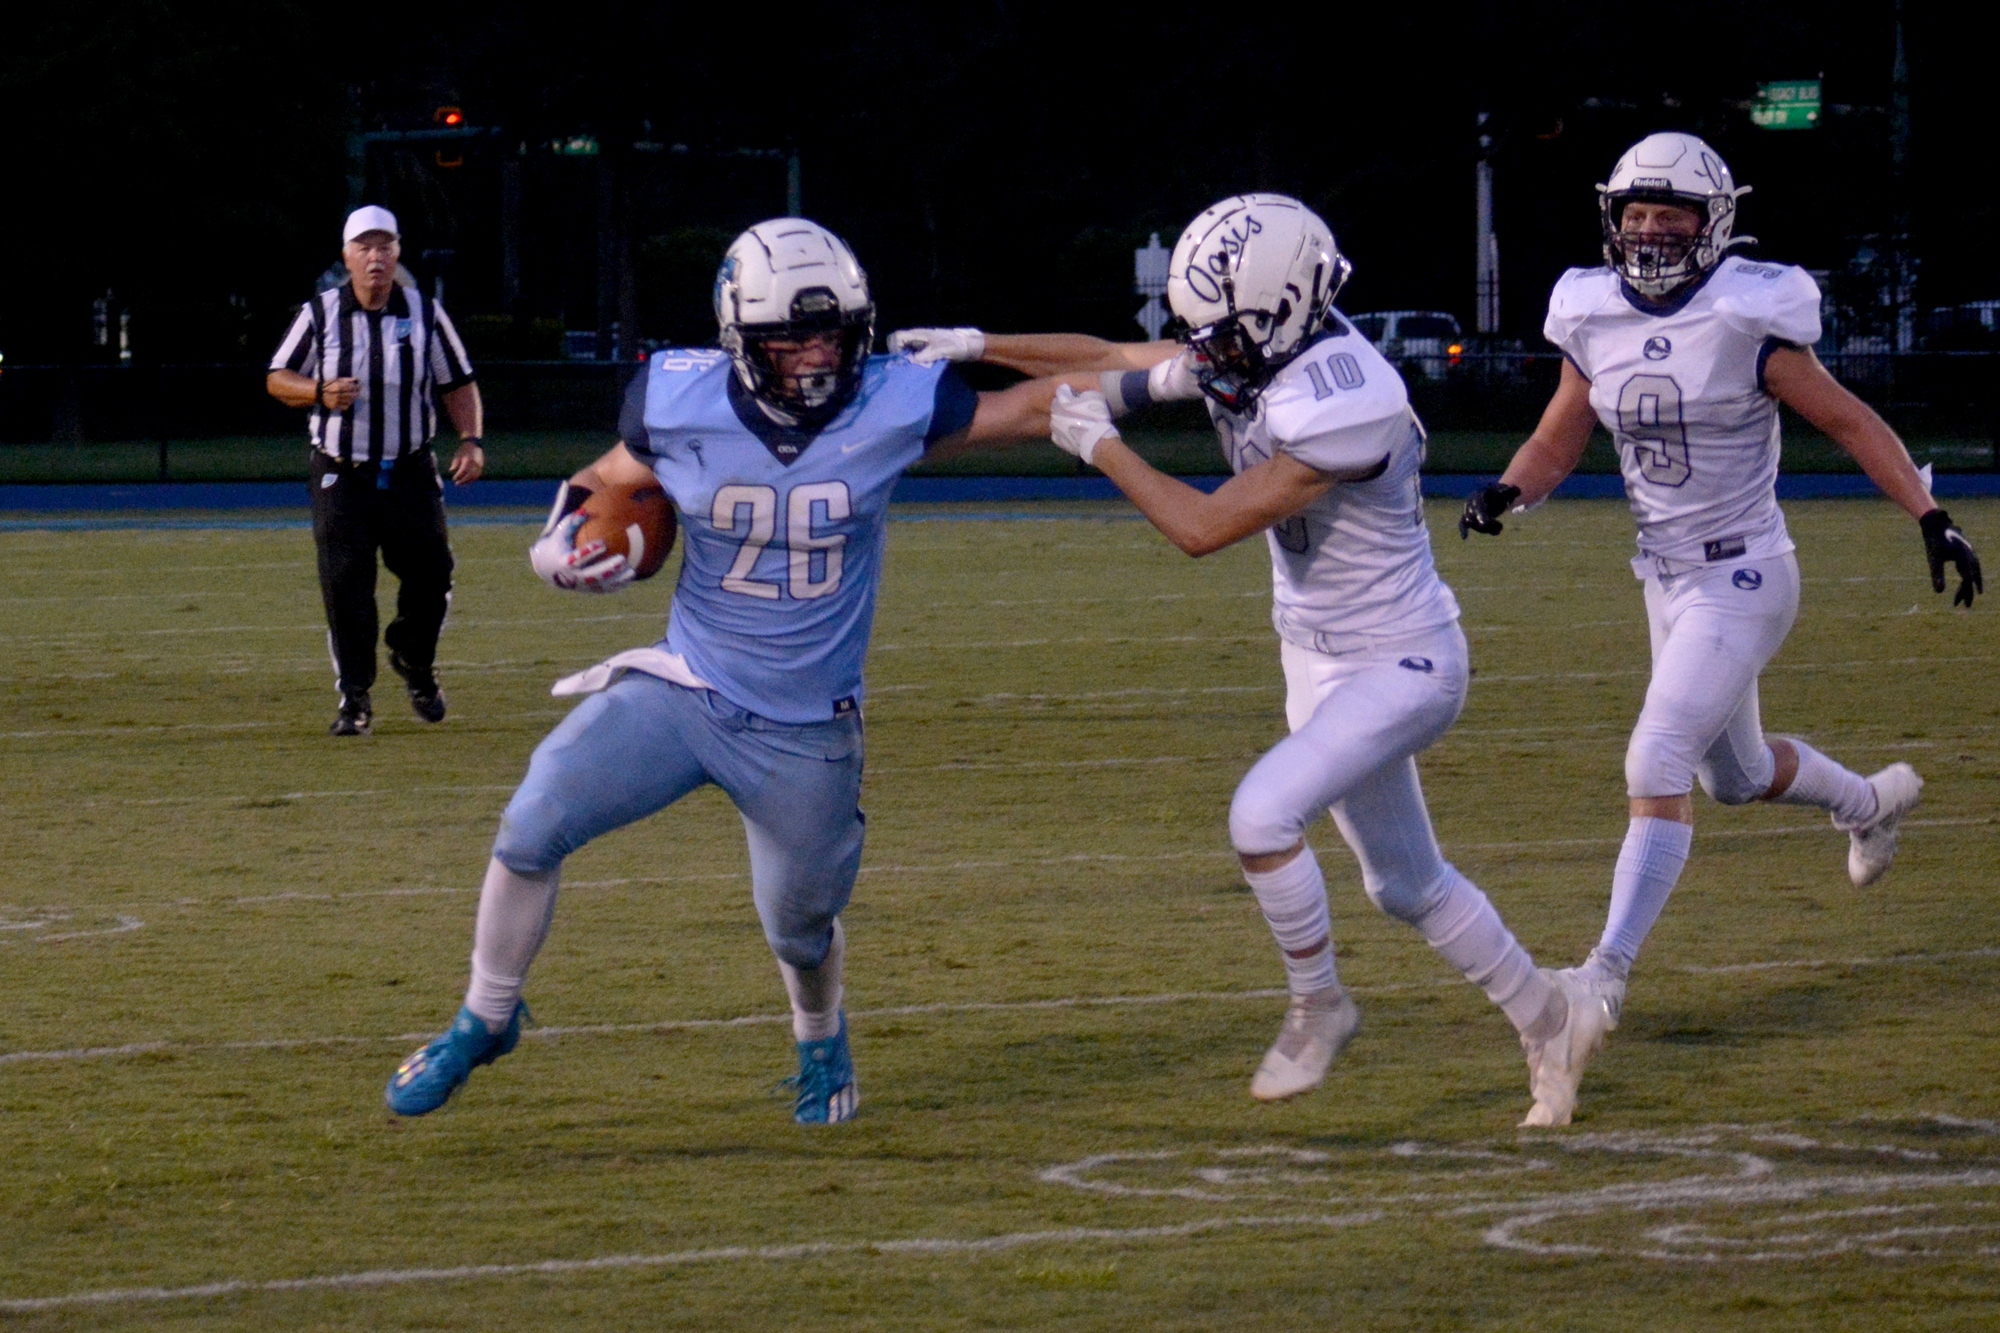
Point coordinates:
[(1658, 349), (1747, 579), (1416, 663)]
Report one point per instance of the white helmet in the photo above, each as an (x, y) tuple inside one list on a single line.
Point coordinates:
[(1674, 169), (1254, 277), (788, 279)]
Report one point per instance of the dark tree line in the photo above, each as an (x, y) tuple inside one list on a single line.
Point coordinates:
[(992, 162)]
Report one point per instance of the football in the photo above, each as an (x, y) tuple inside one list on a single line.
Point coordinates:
[(636, 522)]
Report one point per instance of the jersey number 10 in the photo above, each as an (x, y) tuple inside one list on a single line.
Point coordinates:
[(1649, 420)]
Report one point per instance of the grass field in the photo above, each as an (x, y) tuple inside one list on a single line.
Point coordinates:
[(220, 930)]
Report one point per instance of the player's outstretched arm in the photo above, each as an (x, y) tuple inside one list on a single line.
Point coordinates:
[(1015, 415), (556, 557), (1796, 378), (1036, 354), (1198, 523), (1542, 461)]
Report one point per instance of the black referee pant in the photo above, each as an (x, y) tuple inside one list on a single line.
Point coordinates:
[(397, 509)]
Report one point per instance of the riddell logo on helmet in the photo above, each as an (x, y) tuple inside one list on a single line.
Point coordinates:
[(1652, 183)]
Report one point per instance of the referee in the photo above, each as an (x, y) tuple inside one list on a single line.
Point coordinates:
[(369, 358)]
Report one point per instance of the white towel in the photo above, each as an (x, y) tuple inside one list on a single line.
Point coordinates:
[(651, 661)]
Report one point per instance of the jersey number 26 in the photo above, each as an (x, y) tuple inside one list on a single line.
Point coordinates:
[(825, 501)]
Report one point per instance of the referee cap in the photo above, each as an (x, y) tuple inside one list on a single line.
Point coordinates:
[(369, 217)]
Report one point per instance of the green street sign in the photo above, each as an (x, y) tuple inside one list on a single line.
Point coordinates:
[(1792, 105)]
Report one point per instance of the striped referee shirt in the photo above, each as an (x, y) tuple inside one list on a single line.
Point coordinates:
[(404, 354)]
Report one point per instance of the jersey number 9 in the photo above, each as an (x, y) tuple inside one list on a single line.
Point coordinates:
[(1649, 421)]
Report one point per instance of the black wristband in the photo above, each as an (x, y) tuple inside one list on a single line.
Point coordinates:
[(474, 440)]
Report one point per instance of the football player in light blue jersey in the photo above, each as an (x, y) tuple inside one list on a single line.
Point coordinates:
[(780, 451)]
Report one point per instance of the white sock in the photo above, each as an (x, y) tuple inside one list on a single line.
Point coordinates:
[(1293, 898), (514, 912), (815, 995), (1839, 791), (1649, 865), (1469, 933)]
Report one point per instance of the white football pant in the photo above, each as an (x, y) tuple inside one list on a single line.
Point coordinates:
[(1714, 628), (1358, 721)]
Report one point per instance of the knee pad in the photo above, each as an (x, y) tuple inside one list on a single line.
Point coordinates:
[(1657, 764), (1257, 828), (530, 839), (802, 941), (1728, 784), (1407, 902)]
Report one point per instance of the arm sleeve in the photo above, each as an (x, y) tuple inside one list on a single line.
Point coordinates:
[(450, 367), (952, 407), (299, 352), (632, 416)]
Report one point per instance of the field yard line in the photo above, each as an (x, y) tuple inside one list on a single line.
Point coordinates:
[(1479, 678), (125, 596), (44, 640), (919, 1245), (136, 728), (1890, 960), (937, 1008)]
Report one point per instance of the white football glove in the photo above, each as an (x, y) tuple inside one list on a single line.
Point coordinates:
[(1078, 422), (1173, 380), (929, 346), (555, 556)]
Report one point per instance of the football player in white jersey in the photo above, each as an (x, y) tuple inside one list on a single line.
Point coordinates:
[(1684, 351), (1325, 450)]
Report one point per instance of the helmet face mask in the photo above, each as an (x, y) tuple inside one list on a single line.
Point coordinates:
[(1678, 170), (1230, 364), (1254, 279), (784, 285)]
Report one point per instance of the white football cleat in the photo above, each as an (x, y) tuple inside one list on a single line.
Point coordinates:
[(1555, 1066), (1596, 979), (1872, 847), (1317, 1029)]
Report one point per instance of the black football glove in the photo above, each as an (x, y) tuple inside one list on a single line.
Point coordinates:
[(1484, 507), (1945, 544)]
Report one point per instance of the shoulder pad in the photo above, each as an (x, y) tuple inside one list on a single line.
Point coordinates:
[(1767, 300), (688, 360), (1336, 384), (1579, 294)]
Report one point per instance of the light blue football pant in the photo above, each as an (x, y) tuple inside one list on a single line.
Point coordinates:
[(644, 743), (1358, 722)]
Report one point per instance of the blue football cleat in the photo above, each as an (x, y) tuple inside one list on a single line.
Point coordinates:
[(827, 1094), (428, 1078)]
